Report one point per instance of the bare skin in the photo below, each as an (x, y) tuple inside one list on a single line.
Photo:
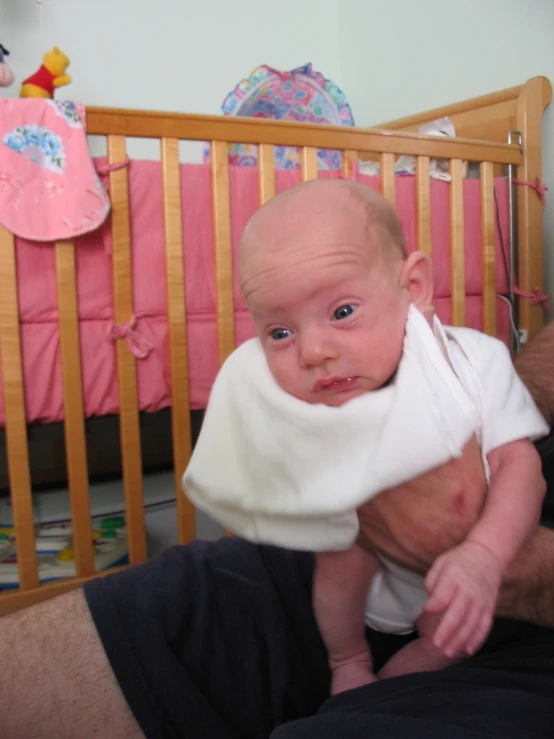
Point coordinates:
[(57, 681), (416, 522)]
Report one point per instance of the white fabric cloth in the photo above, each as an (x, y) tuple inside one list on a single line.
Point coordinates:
[(277, 470)]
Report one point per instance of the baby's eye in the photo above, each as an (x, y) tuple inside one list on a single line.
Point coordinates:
[(280, 333), (343, 312)]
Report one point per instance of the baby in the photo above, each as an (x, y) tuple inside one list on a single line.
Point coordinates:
[(351, 394)]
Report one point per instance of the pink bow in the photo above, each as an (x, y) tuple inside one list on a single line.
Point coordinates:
[(537, 186), (536, 297), (136, 342), (104, 169)]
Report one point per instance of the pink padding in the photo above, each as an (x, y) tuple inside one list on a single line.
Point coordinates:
[(37, 286)]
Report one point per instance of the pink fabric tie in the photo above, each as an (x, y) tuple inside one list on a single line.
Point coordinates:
[(536, 297), (537, 186), (136, 342), (104, 169)]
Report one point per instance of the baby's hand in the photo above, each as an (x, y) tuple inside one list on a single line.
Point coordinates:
[(464, 583)]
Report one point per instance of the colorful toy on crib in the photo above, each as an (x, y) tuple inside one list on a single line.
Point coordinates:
[(301, 95), (6, 74), (51, 75)]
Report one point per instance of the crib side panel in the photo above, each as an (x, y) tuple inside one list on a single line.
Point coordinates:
[(169, 131), (14, 408)]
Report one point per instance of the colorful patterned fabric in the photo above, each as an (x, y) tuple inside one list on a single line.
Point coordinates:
[(49, 189), (299, 95)]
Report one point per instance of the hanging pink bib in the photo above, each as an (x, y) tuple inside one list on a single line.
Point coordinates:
[(49, 189)]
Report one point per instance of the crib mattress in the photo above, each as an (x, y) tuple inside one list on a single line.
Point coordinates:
[(38, 299)]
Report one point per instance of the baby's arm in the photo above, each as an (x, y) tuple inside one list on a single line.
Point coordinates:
[(341, 584), (514, 500), (465, 581)]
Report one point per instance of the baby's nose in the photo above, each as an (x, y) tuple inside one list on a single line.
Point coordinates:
[(316, 349)]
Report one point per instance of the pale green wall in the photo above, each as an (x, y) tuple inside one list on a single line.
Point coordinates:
[(400, 57)]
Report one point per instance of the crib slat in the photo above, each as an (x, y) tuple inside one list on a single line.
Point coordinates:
[(349, 158), (74, 416), (487, 232), (457, 254), (388, 183), (222, 245), (309, 163), (126, 364), (423, 205), (14, 408), (177, 327), (266, 172)]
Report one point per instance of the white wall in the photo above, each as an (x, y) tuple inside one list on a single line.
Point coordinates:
[(175, 55), (182, 55), (400, 57)]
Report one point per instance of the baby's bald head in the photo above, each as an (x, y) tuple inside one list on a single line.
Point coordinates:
[(324, 215)]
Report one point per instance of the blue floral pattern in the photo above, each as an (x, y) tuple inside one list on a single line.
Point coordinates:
[(68, 110), (39, 145)]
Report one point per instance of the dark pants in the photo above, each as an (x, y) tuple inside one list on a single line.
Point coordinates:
[(218, 640)]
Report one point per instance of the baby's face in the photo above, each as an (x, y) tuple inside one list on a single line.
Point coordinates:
[(330, 314)]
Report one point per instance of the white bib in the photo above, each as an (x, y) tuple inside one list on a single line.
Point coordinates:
[(277, 470)]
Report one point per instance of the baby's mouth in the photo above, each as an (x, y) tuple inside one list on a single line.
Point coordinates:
[(335, 384)]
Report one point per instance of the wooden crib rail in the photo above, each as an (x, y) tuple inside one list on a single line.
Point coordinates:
[(74, 416), (266, 172), (14, 407), (486, 117), (491, 117), (457, 251), (222, 250), (126, 364), (187, 127), (488, 248), (177, 329), (388, 178), (423, 205)]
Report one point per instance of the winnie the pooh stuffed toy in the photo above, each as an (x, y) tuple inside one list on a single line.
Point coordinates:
[(50, 76)]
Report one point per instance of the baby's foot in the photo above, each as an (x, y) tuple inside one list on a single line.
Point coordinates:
[(351, 675)]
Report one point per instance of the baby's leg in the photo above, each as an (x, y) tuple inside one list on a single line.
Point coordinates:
[(420, 655), (341, 583)]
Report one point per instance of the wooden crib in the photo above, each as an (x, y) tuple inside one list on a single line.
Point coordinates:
[(482, 125)]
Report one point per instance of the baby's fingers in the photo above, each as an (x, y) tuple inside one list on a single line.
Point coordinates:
[(451, 621), (477, 639), (458, 644), (433, 575), (441, 595)]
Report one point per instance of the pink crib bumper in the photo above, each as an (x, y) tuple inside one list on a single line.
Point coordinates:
[(38, 303)]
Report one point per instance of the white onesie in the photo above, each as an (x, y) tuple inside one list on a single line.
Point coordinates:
[(277, 470)]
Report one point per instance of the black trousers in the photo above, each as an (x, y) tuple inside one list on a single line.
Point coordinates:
[(218, 640)]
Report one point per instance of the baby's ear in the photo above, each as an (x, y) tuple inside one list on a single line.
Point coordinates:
[(417, 279), (428, 312)]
